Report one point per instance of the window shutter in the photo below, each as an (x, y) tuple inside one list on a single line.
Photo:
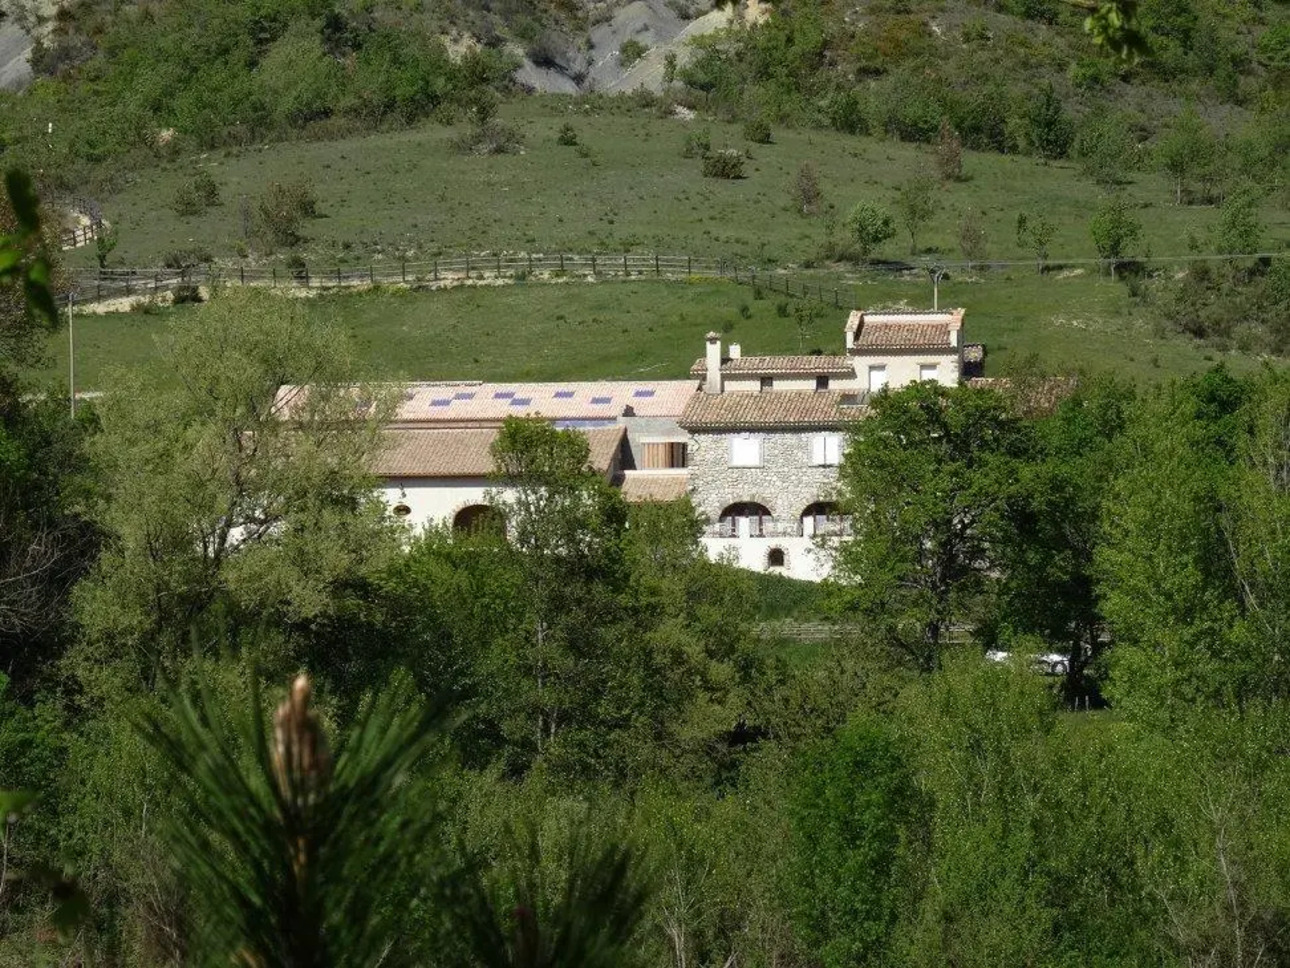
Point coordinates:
[(832, 449), (745, 452), (819, 450)]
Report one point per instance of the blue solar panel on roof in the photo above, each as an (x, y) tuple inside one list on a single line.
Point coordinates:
[(642, 393), (521, 401), (463, 396), (564, 394), (503, 394), (602, 400), (440, 403)]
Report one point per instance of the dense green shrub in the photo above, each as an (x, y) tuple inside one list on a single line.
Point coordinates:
[(725, 163), (697, 144), (281, 211), (757, 131), (193, 197), (489, 138), (630, 51), (568, 135), (1049, 128), (852, 810)]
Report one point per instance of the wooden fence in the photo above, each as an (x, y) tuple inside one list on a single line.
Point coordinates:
[(90, 285), (79, 236)]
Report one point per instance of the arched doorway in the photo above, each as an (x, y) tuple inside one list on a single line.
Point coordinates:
[(823, 518), (746, 519), (776, 558), (479, 519)]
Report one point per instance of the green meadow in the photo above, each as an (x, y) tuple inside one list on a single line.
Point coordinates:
[(655, 329)]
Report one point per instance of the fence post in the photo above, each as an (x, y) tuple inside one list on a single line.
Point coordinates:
[(593, 265), (127, 283), (338, 275), (689, 261), (306, 277), (530, 263), (241, 272), (625, 265), (403, 270), (562, 262), (499, 267), (436, 270), (371, 275), (656, 272), (275, 277), (467, 265)]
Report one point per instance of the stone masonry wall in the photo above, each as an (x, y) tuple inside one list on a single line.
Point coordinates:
[(786, 482)]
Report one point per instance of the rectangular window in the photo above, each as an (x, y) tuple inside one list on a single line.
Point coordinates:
[(877, 377), (826, 450), (927, 371), (663, 454), (768, 383), (821, 383), (745, 451)]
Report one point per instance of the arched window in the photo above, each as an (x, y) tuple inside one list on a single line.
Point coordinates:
[(775, 558), (401, 510), (480, 519), (823, 517), (746, 519)]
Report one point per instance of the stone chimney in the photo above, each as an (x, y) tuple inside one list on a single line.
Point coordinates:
[(735, 351), (712, 379)]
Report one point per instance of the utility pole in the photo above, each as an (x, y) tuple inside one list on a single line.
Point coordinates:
[(71, 357), (937, 272)]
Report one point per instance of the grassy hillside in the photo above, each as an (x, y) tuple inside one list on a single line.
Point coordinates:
[(625, 187), (655, 329)]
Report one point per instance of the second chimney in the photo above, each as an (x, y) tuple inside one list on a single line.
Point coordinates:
[(712, 377)]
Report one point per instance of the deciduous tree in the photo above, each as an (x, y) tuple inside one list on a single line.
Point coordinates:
[(869, 227), (915, 204), (926, 478), (234, 470)]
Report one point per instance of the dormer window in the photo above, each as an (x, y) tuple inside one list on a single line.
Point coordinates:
[(767, 383), (821, 383)]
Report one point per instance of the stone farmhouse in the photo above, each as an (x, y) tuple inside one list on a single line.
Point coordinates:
[(754, 441)]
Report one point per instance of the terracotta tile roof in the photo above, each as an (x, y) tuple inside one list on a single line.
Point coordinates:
[(1035, 398), (903, 331), (774, 410), (466, 452), (642, 486), (775, 365)]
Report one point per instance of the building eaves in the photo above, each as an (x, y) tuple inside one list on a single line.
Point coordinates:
[(816, 365)]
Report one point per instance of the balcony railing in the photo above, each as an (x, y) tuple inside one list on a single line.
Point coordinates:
[(777, 528)]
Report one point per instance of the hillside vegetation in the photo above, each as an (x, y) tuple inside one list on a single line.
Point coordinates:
[(625, 186), (140, 81)]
